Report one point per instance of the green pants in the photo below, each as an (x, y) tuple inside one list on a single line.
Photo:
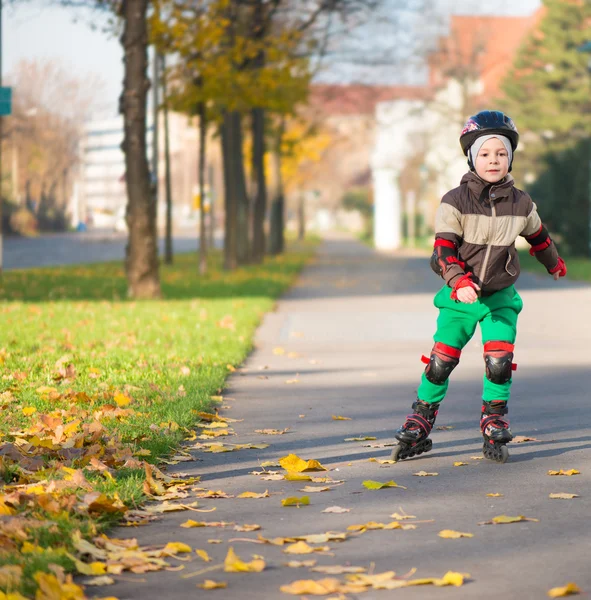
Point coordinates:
[(497, 315)]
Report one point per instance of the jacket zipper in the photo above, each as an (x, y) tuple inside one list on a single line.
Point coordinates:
[(491, 231)]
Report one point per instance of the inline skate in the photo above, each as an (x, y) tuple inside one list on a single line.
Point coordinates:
[(495, 431), (413, 436)]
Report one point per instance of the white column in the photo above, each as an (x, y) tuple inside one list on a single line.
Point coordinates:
[(387, 209)]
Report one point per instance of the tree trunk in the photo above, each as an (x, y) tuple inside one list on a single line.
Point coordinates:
[(241, 195), (141, 260), (259, 185), (168, 254), (302, 216), (212, 207), (201, 177), (277, 240), (230, 207)]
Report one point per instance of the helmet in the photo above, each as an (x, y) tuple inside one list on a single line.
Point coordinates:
[(488, 122)]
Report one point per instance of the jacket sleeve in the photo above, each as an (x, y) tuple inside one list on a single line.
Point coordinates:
[(537, 236), (445, 260)]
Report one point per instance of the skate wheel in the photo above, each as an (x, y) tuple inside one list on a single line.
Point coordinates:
[(396, 453), (504, 454)]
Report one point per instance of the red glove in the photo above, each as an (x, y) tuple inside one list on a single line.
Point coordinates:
[(463, 281), (559, 268)]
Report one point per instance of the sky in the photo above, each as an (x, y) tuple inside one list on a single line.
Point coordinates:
[(78, 39)]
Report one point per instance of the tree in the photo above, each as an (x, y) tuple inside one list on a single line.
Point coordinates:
[(547, 90)]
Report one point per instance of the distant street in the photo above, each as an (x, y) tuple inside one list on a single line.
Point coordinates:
[(80, 248)]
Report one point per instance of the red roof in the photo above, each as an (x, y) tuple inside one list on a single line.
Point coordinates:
[(486, 44), (356, 99)]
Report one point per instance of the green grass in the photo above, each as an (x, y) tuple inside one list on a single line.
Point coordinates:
[(161, 361), (579, 268)]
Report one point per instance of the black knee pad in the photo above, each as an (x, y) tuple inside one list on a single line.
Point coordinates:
[(443, 360), (498, 359)]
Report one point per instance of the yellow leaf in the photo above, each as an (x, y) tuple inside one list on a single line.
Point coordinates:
[(495, 495), (570, 589), (246, 527), (278, 351), (210, 584), (401, 517), (338, 569), (425, 474), (293, 501), (93, 568), (376, 485), (44, 390), (5, 509), (295, 464), (312, 489), (100, 580), (459, 463), (265, 494), (453, 578), (567, 473), (233, 564), (563, 496), (121, 399), (295, 564), (176, 548), (190, 523), (339, 418), (297, 477), (503, 519), (50, 588), (29, 410), (202, 554), (360, 439), (299, 548), (321, 587), (451, 534)]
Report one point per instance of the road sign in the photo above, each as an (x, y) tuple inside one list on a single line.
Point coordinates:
[(5, 101)]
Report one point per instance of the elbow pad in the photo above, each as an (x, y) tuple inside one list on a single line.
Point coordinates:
[(445, 253), (539, 241)]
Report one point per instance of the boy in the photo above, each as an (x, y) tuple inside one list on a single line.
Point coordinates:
[(476, 227)]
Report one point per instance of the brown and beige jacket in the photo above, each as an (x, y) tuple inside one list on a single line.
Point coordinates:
[(482, 221)]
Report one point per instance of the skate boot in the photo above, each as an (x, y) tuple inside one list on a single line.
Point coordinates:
[(413, 436), (495, 430)]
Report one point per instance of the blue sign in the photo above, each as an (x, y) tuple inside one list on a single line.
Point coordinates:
[(5, 101)]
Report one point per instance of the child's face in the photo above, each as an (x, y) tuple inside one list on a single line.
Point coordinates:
[(492, 162)]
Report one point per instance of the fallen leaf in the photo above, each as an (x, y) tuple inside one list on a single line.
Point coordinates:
[(444, 427), (450, 534), (176, 548), (295, 464), (339, 418), (495, 495), (322, 538), (291, 381), (278, 351), (202, 554), (563, 496), (300, 548), (320, 587), (296, 564), (311, 488), (293, 501), (336, 509), (265, 494), (519, 439), (98, 581), (459, 463), (376, 485), (477, 457), (567, 473), (297, 477), (272, 431), (214, 541), (121, 400), (570, 589), (210, 584), (269, 463), (338, 569), (233, 564), (504, 519), (245, 527), (361, 439), (425, 474), (29, 410)]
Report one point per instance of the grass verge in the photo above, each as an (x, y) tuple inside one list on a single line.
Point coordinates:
[(579, 268), (94, 389)]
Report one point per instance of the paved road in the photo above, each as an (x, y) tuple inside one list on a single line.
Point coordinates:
[(77, 248), (359, 323)]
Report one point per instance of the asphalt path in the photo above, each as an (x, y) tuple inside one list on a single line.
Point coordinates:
[(352, 332), (79, 248)]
